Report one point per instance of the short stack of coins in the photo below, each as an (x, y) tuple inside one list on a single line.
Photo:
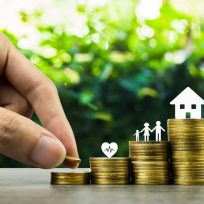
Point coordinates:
[(70, 178), (149, 162), (109, 171), (186, 137)]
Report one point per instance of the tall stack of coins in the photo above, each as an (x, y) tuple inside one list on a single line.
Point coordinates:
[(149, 162), (186, 137), (109, 171), (70, 178)]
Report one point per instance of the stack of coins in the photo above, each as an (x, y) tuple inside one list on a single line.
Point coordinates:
[(70, 178), (149, 162), (109, 171), (186, 137)]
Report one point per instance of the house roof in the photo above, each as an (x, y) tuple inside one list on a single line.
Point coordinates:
[(187, 96)]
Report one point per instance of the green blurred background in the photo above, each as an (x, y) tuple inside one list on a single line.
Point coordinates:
[(116, 63)]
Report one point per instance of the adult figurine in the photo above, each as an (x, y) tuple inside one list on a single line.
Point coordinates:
[(158, 128), (137, 135), (146, 131)]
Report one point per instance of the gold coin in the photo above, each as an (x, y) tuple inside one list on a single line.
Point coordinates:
[(110, 177), (183, 142), (146, 176), (188, 183), (109, 163), (195, 168), (70, 173), (143, 169), (150, 170), (109, 159), (188, 167), (185, 121), (72, 159), (188, 153), (196, 176), (147, 142), (67, 183), (151, 183), (113, 164), (149, 147), (191, 180), (188, 148), (185, 132), (110, 182), (188, 163), (187, 136), (186, 127), (70, 180), (113, 182), (154, 168), (110, 173), (162, 157), (195, 139), (106, 166), (152, 153), (109, 166), (149, 150), (93, 170), (149, 162), (69, 177), (178, 131)]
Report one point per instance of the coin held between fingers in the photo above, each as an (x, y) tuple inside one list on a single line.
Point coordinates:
[(72, 162)]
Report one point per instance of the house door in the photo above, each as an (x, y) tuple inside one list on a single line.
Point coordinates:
[(188, 115)]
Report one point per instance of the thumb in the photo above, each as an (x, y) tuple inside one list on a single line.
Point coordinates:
[(28, 142)]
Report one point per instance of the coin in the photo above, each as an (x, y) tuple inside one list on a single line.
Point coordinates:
[(72, 162), (115, 182)]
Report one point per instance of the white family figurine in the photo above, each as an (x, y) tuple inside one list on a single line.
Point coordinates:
[(146, 131), (158, 129), (137, 135)]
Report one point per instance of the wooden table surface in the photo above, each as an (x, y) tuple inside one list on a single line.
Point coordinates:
[(19, 186)]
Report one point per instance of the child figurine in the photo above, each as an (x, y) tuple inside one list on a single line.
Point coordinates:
[(137, 135)]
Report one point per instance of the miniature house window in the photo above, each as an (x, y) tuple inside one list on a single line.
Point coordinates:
[(193, 106), (182, 106)]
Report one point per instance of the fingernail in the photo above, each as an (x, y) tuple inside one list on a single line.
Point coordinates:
[(48, 152)]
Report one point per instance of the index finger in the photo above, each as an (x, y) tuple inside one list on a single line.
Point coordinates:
[(39, 91)]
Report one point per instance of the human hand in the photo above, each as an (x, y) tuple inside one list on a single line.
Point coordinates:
[(24, 88)]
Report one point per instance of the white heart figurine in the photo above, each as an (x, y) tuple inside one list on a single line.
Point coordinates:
[(109, 149)]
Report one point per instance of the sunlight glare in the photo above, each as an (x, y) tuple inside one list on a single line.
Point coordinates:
[(148, 9)]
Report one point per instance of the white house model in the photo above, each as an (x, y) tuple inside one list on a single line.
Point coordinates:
[(188, 105)]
